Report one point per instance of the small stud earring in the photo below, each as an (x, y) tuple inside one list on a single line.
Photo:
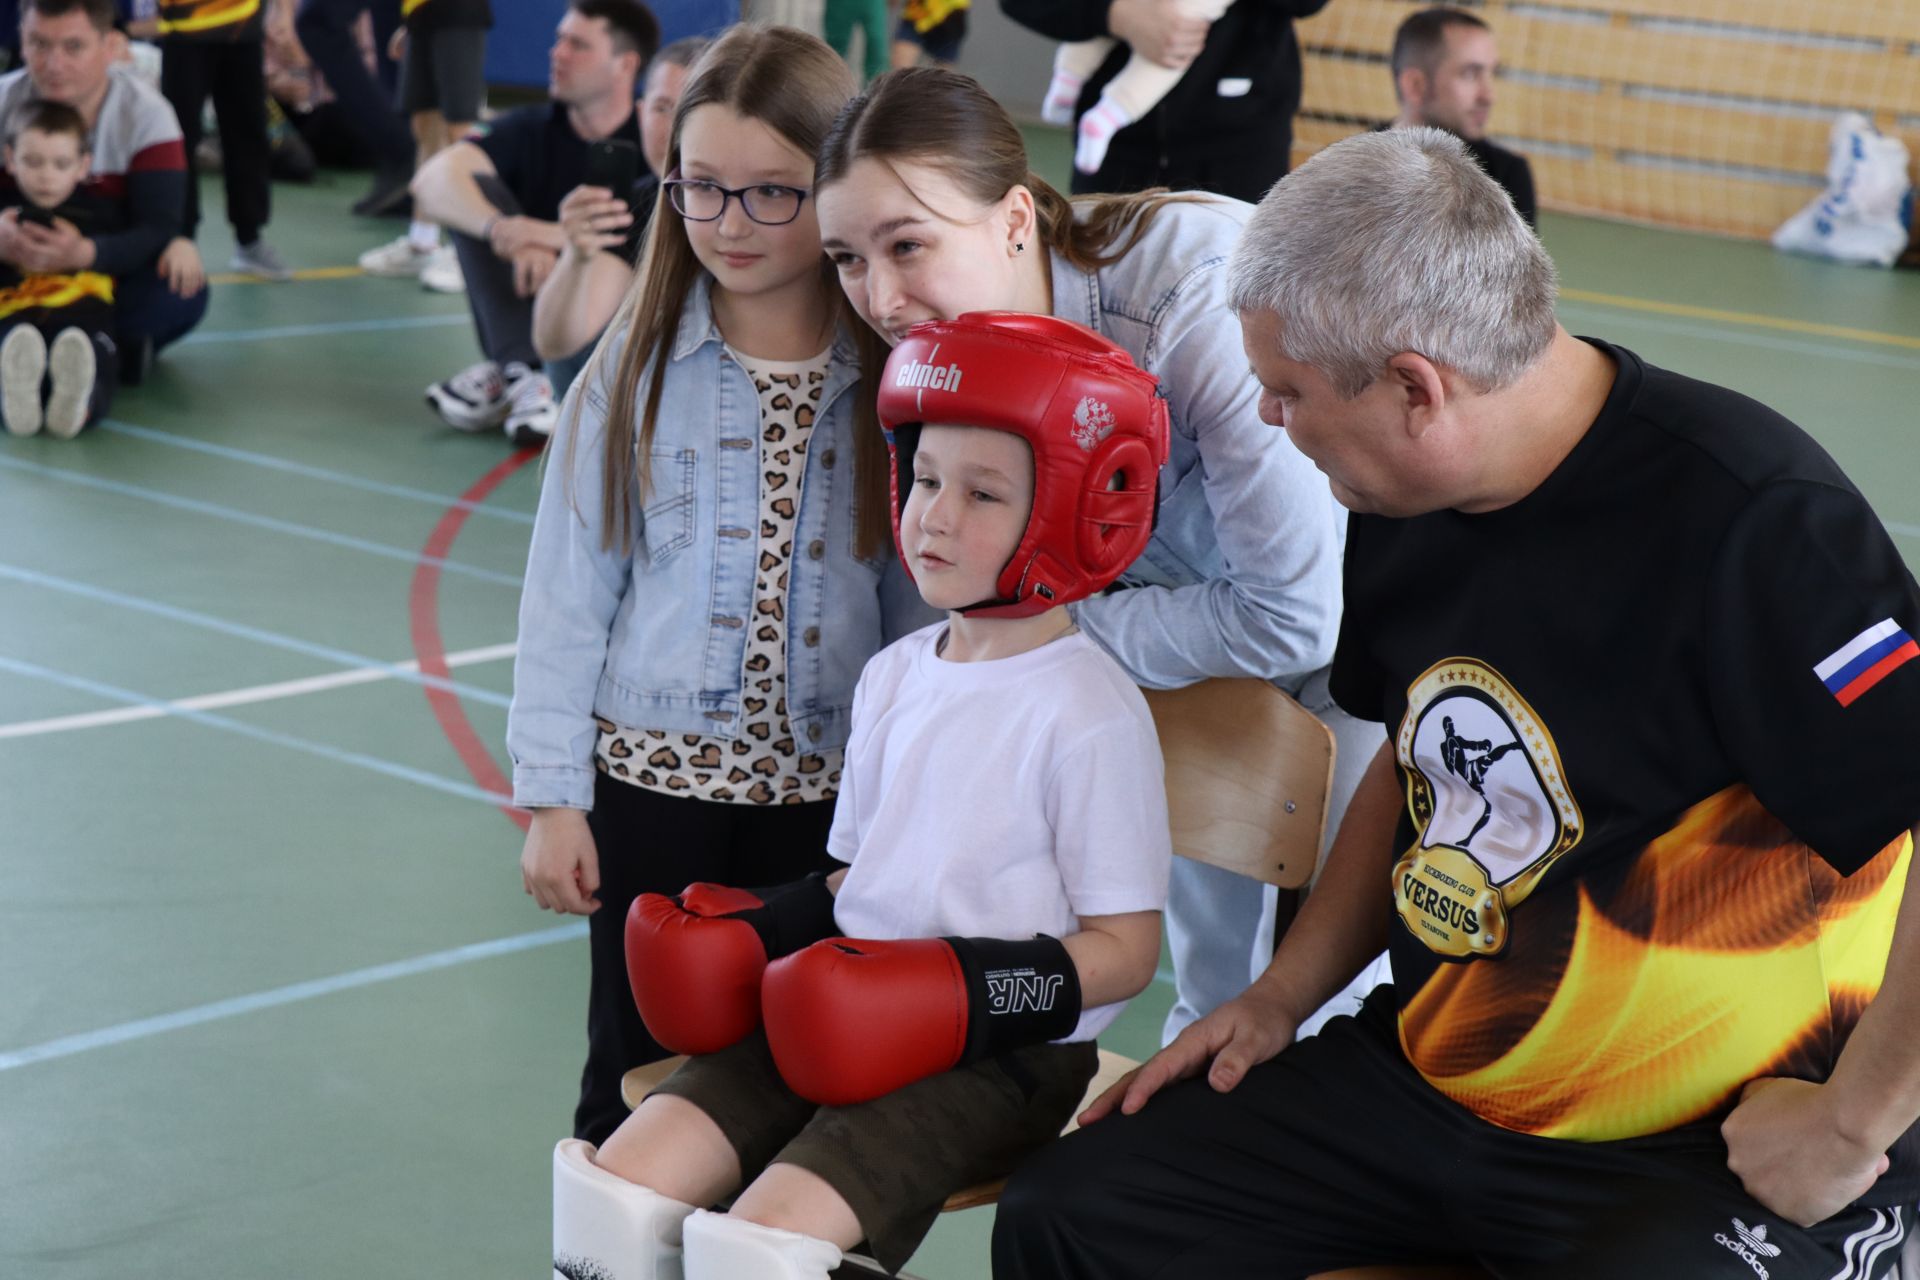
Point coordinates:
[(1019, 248)]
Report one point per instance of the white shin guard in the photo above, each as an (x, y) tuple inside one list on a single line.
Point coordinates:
[(726, 1248), (606, 1228)]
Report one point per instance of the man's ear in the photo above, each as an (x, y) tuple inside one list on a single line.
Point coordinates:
[(1422, 391), (1410, 86)]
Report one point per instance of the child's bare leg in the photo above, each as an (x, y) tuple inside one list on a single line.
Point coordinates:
[(797, 1199), (675, 1148)]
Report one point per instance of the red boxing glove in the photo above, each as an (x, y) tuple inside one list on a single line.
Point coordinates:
[(694, 961), (849, 1021)]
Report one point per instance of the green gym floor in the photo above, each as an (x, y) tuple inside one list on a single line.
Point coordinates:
[(272, 1001)]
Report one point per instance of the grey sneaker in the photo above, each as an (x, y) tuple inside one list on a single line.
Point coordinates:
[(23, 368), (260, 259), (71, 366)]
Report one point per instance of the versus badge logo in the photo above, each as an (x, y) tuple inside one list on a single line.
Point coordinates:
[(1489, 802)]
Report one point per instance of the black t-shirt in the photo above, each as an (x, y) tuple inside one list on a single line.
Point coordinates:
[(422, 15), (540, 158), (1511, 170), (1654, 723)]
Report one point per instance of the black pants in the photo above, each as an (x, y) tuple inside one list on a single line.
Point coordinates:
[(502, 319), (651, 843), (325, 28), (233, 73), (1336, 1154)]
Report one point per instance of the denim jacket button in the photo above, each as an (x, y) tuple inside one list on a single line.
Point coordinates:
[(811, 636), (826, 459), (814, 732), (816, 549)]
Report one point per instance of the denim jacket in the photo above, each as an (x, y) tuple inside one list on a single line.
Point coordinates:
[(1242, 576), (654, 638)]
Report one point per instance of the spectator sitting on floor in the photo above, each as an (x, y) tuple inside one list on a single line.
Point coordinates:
[(604, 234), (138, 164), (498, 194), (57, 356)]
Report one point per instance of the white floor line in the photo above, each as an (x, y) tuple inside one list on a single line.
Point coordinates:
[(244, 697), (357, 759), (289, 467), (141, 1028)]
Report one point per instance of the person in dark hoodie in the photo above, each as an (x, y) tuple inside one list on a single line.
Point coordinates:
[(1226, 127)]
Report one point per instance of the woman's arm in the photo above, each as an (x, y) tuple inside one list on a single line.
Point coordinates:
[(1275, 611)]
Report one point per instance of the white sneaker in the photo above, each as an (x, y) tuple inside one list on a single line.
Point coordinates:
[(23, 366), (70, 368), (441, 271), (474, 399), (397, 258), (531, 411)]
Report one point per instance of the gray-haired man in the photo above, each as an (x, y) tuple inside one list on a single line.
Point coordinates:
[(1656, 978)]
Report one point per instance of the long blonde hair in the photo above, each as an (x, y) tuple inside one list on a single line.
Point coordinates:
[(941, 118), (794, 84)]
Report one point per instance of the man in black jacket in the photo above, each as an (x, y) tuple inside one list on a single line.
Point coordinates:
[(1227, 126)]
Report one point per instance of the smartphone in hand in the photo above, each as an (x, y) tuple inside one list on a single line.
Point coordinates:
[(37, 216), (614, 164)]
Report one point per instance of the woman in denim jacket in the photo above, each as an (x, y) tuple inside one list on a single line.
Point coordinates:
[(928, 209), (710, 566)]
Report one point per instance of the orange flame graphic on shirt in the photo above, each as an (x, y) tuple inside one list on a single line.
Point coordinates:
[(1727, 951)]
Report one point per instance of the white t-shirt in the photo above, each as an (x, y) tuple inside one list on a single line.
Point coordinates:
[(999, 799)]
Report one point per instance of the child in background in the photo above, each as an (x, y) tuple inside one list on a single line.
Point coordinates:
[(1136, 90), (442, 51), (1004, 812), (57, 359), (708, 571), (936, 28)]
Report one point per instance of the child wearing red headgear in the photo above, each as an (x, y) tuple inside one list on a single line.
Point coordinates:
[(1004, 814)]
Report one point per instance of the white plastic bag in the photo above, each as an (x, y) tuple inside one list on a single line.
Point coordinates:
[(1862, 216)]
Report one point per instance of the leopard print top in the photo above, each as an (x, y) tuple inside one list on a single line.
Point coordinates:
[(762, 765)]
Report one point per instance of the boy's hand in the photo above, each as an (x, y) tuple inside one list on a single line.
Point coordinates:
[(1236, 1037), (58, 248), (593, 220), (559, 864)]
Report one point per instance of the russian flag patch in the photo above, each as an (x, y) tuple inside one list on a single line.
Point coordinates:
[(1866, 660)]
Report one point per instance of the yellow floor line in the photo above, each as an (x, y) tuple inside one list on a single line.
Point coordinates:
[(1742, 317), (307, 273)]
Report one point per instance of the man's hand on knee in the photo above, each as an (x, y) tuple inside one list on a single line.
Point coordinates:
[(1785, 1144), (1235, 1038)]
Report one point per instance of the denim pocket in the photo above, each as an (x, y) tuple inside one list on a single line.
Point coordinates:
[(666, 524)]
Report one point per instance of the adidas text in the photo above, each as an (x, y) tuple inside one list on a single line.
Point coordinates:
[(1721, 1238)]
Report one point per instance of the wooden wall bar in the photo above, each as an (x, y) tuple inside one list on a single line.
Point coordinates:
[(1707, 114)]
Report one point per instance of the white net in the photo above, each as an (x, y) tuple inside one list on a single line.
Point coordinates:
[(1707, 114)]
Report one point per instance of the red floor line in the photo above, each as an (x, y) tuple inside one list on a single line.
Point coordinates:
[(424, 606)]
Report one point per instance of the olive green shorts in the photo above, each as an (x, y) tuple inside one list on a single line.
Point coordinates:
[(895, 1159)]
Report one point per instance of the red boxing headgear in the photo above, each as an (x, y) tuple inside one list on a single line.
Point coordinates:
[(1096, 423)]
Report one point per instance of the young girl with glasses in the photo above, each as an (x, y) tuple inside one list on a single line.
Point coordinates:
[(710, 564)]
